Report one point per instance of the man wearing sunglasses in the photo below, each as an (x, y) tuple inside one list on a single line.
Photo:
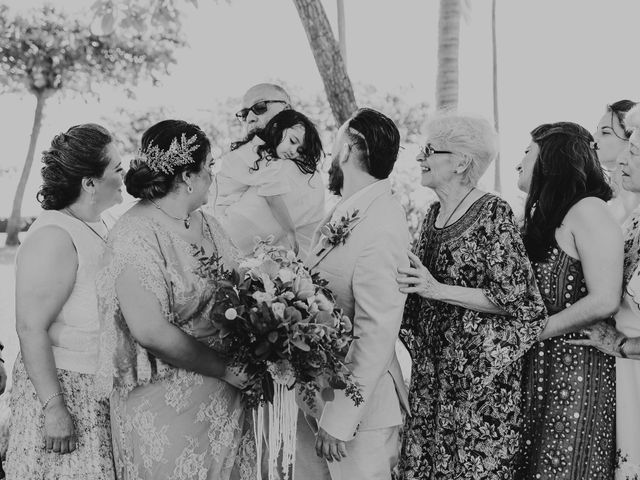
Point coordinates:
[(260, 104)]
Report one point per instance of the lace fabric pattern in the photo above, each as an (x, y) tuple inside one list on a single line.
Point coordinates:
[(628, 370), (168, 423)]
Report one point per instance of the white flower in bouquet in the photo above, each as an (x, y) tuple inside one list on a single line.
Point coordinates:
[(313, 306), (278, 309), (324, 304), (303, 287), (263, 297), (269, 286), (286, 275), (250, 263), (288, 296), (231, 314), (269, 267)]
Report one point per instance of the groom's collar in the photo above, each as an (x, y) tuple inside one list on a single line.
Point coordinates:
[(362, 198)]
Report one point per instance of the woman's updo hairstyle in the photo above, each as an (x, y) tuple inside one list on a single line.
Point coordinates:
[(145, 183), (78, 153)]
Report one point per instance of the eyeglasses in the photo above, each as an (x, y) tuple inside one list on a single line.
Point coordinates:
[(427, 151), (257, 108)]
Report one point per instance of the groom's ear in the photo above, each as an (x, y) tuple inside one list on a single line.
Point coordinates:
[(345, 153)]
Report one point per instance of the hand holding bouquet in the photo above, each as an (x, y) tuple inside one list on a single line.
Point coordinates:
[(281, 321), (283, 324)]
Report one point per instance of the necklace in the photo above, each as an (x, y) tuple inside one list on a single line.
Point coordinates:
[(458, 206), (186, 220), (68, 210)]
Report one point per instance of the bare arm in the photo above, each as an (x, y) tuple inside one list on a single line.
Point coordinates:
[(631, 349), (45, 274), (599, 243), (144, 317), (281, 213)]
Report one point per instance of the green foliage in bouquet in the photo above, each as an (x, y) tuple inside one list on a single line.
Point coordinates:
[(280, 320)]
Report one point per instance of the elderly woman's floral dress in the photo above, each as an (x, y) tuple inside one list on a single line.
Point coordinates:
[(465, 388), (168, 423)]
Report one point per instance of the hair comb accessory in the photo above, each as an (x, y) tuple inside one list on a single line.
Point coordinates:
[(165, 161)]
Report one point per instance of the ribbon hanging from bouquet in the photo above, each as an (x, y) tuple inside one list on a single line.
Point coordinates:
[(283, 422)]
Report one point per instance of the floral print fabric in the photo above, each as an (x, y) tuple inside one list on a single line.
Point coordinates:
[(26, 457), (465, 390)]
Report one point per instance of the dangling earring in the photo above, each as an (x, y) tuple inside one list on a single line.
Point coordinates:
[(189, 189), (93, 198)]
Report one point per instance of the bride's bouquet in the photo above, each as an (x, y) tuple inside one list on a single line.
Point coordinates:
[(282, 323)]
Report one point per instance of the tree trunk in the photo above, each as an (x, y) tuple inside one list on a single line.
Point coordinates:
[(448, 45), (497, 182), (326, 52), (342, 32), (15, 221)]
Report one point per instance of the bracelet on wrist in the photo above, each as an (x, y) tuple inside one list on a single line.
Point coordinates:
[(49, 398), (621, 347)]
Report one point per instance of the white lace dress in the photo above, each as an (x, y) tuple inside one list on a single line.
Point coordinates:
[(628, 370), (168, 423)]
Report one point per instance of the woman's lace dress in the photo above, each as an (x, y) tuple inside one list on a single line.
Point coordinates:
[(168, 423)]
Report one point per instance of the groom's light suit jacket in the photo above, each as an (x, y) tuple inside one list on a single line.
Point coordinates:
[(362, 275)]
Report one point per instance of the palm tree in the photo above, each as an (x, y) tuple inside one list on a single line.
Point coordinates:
[(326, 52), (342, 32), (448, 46), (497, 184)]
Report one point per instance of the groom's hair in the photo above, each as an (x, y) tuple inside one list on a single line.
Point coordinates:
[(377, 138)]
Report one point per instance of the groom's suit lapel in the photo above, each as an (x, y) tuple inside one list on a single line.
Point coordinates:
[(320, 251)]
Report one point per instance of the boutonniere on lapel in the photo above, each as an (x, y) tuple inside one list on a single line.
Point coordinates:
[(336, 233)]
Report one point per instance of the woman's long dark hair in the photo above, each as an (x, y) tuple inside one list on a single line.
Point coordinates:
[(310, 151), (566, 171)]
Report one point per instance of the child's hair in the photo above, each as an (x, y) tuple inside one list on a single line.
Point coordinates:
[(310, 150)]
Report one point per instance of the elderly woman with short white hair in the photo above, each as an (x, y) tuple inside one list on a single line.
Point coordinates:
[(473, 311)]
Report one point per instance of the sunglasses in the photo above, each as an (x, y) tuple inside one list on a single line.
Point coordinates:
[(427, 151), (257, 108)]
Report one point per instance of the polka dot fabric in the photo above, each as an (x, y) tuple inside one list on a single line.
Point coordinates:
[(568, 391)]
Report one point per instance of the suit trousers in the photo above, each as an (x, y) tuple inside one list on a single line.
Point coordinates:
[(371, 455)]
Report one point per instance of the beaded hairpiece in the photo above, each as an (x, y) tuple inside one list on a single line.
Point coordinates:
[(166, 161)]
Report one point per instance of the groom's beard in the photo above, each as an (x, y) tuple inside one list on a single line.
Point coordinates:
[(336, 179)]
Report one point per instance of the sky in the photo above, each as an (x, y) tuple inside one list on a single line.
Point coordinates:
[(557, 60)]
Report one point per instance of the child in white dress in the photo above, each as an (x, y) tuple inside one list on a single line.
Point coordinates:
[(271, 186)]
